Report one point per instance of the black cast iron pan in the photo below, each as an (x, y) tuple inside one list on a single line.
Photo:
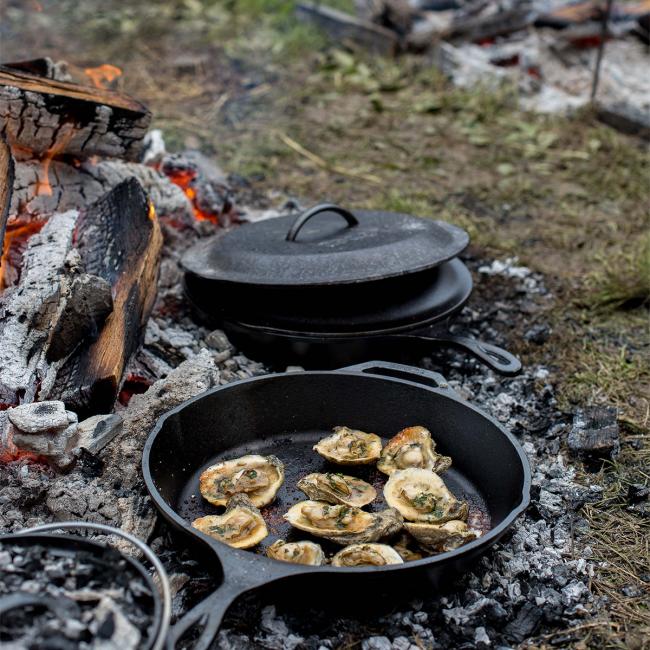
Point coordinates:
[(400, 330), (285, 414)]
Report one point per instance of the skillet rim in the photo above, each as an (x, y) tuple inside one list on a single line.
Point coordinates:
[(286, 569)]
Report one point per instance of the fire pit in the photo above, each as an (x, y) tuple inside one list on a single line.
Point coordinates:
[(105, 344)]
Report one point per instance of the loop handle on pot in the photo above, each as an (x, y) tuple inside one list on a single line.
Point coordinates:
[(400, 371), (303, 218), (166, 613)]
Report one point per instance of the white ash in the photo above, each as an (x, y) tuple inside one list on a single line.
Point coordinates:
[(92, 605)]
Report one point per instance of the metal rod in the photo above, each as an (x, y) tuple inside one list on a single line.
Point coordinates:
[(601, 47), (146, 551)]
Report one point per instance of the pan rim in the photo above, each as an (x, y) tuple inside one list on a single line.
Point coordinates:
[(219, 548)]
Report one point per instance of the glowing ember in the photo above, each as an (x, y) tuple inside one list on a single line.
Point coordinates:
[(103, 75), (16, 237), (133, 385), (186, 179), (9, 453)]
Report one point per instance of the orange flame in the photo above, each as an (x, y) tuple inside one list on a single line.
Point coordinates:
[(103, 75), (185, 180), (43, 186), (15, 242)]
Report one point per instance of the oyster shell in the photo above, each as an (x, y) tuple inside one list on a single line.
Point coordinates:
[(343, 524), (367, 555), (260, 477), (337, 488), (412, 447), (350, 447), (442, 537), (421, 495), (297, 552), (240, 526)]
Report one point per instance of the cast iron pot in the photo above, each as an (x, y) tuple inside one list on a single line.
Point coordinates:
[(402, 331), (285, 414), (71, 545)]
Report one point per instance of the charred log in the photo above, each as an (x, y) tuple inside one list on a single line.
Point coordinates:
[(119, 240), (29, 311), (6, 188), (45, 116), (75, 187)]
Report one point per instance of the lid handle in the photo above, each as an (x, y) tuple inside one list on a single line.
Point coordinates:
[(303, 218)]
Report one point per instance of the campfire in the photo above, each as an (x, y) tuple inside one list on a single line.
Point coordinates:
[(100, 347)]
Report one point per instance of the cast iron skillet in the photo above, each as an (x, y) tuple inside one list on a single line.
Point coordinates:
[(285, 414), (402, 332)]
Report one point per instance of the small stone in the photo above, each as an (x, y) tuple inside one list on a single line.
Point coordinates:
[(376, 643), (40, 417), (481, 637), (538, 334), (97, 431), (218, 341), (595, 432)]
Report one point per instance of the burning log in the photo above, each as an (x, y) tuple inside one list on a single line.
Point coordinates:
[(46, 116), (6, 187), (28, 311), (119, 240), (76, 186), (77, 314)]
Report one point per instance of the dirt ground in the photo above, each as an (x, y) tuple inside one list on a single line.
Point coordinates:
[(296, 116)]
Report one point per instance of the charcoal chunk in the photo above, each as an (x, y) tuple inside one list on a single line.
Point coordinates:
[(525, 623), (595, 432)]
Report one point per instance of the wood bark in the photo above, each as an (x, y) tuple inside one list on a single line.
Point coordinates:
[(6, 188), (119, 240), (49, 117)]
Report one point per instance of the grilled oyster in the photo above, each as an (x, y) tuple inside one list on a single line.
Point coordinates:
[(412, 447), (343, 524), (337, 488), (241, 526), (297, 552), (350, 447), (260, 477), (421, 495), (442, 537), (367, 555)]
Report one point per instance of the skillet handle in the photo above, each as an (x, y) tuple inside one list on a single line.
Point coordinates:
[(494, 357), (209, 613), (303, 218), (401, 371), (241, 574)]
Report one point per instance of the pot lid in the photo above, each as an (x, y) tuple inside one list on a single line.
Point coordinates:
[(326, 245), (444, 295)]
